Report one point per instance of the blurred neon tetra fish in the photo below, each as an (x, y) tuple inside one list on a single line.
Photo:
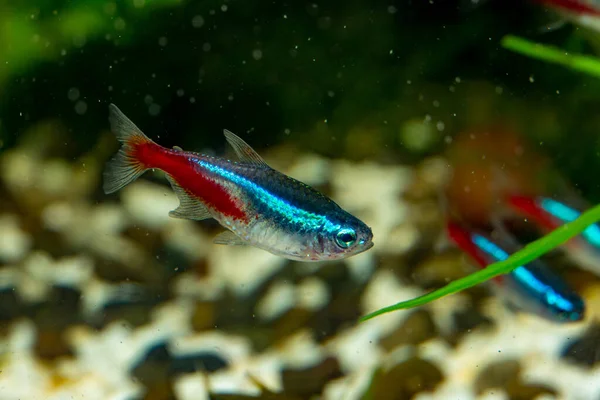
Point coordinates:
[(258, 205), (531, 288), (549, 214), (584, 13)]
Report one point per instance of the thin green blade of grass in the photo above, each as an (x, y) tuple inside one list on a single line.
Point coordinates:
[(587, 64), (527, 254)]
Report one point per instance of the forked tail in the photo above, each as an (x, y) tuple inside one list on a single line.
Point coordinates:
[(126, 166)]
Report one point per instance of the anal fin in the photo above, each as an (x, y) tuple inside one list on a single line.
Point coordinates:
[(229, 238), (189, 207)]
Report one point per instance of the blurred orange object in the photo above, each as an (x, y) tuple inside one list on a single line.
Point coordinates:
[(488, 166)]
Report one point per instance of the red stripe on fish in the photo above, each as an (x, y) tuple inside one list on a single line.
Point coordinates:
[(190, 176), (529, 207), (573, 6), (463, 240), (138, 153)]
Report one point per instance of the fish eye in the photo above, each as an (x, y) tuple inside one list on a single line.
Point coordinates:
[(345, 237)]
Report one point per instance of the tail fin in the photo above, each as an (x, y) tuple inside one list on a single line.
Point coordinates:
[(124, 168)]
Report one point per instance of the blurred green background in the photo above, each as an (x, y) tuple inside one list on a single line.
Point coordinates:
[(386, 80)]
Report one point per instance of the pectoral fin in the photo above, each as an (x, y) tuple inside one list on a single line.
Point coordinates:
[(229, 238), (189, 207)]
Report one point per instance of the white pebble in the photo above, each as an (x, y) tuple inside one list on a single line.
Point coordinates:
[(149, 204), (14, 242)]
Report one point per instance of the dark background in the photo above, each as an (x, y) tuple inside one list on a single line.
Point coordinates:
[(337, 78)]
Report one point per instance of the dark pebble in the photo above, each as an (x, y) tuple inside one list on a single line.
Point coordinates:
[(585, 350), (292, 321), (204, 361), (497, 375), (10, 305), (52, 318), (404, 380), (152, 372), (51, 344), (310, 381), (203, 316), (465, 321), (417, 328)]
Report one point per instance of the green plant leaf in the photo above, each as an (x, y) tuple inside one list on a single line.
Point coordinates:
[(577, 62)]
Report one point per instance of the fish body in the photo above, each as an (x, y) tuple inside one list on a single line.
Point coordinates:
[(584, 13), (550, 214), (575, 7), (258, 205), (532, 288)]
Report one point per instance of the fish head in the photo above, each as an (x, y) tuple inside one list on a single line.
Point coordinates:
[(569, 308), (536, 289), (346, 237)]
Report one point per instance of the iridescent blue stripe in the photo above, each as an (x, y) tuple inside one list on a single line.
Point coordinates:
[(525, 277), (301, 219), (568, 214)]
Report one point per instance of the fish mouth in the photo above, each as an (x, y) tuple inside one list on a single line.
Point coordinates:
[(365, 248)]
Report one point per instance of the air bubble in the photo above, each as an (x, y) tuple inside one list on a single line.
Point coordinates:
[(73, 94), (80, 107), (119, 24), (197, 21), (154, 110)]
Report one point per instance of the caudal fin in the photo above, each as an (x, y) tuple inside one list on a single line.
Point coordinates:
[(125, 167)]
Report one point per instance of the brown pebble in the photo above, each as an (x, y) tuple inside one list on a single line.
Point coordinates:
[(584, 350), (51, 344), (204, 316), (465, 321), (200, 268), (497, 375), (152, 372), (145, 237), (135, 314), (505, 375), (310, 381), (405, 380), (263, 396), (161, 390), (521, 391), (290, 322), (417, 328)]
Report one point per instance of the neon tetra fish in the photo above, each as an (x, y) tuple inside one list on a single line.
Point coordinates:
[(584, 13), (532, 288), (257, 204), (549, 214)]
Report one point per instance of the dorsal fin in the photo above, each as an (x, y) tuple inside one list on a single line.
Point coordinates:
[(243, 149)]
